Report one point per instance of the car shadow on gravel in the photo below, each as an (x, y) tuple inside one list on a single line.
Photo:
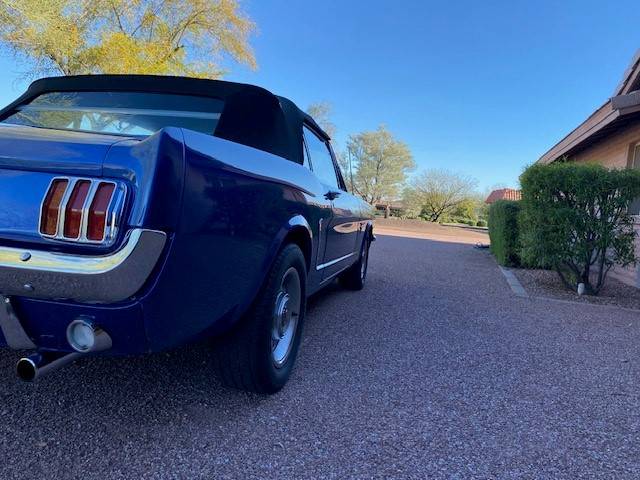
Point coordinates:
[(158, 388), (130, 386)]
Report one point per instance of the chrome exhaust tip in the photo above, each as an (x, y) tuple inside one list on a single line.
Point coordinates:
[(26, 369), (34, 366)]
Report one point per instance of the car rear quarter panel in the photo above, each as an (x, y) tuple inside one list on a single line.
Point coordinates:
[(238, 204), (154, 169)]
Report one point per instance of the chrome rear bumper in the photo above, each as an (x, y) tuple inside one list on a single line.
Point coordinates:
[(83, 278)]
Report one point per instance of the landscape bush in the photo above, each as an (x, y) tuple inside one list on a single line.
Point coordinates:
[(575, 218), (481, 223), (503, 232)]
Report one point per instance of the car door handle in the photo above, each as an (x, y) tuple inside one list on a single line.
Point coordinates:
[(331, 195)]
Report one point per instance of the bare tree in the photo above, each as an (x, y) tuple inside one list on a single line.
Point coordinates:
[(435, 193)]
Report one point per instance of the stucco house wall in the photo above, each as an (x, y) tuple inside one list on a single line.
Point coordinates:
[(614, 151)]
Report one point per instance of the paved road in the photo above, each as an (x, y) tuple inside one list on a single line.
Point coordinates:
[(434, 370)]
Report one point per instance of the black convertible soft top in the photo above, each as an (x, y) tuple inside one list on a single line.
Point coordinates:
[(251, 115)]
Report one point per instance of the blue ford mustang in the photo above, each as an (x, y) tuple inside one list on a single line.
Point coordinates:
[(141, 213)]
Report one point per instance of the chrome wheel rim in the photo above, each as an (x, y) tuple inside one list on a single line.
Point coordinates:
[(285, 316)]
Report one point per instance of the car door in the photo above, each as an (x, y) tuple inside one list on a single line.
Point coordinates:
[(341, 231)]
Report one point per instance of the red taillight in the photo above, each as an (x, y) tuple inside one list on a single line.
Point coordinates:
[(98, 211), (73, 212), (51, 207), (85, 209)]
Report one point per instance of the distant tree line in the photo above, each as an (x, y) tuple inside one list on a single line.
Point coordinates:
[(378, 168)]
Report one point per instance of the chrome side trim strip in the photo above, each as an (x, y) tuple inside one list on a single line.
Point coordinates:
[(333, 262), (320, 250), (83, 278)]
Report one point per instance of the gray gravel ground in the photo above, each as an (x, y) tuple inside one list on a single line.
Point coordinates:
[(435, 370)]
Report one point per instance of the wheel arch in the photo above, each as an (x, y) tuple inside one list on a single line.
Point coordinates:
[(299, 233), (369, 231)]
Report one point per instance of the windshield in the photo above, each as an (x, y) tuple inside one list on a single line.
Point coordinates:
[(124, 113)]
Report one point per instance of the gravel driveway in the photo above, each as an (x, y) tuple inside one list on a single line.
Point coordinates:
[(435, 370)]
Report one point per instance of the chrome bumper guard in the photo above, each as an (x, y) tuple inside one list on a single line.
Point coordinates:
[(82, 278)]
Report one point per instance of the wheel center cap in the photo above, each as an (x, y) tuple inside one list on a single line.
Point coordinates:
[(283, 314)]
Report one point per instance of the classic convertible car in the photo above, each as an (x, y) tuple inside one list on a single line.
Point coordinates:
[(141, 213)]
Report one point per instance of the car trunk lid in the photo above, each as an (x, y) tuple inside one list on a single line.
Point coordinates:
[(48, 150)]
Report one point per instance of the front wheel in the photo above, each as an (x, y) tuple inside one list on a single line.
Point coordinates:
[(259, 353), (355, 276)]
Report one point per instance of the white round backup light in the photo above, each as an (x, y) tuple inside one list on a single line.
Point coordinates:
[(81, 335)]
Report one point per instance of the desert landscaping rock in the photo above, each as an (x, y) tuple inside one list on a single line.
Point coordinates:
[(546, 283)]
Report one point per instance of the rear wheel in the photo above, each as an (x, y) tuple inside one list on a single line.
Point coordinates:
[(258, 354), (355, 276)]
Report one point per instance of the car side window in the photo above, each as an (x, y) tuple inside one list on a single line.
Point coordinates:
[(321, 159)]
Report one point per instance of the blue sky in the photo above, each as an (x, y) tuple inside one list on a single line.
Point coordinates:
[(479, 87)]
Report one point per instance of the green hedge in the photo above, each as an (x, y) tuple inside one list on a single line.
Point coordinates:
[(575, 217), (503, 232)]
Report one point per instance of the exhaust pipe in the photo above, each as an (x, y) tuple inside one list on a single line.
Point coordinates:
[(83, 337), (34, 366)]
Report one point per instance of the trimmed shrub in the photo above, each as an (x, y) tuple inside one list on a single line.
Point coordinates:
[(481, 223), (575, 219), (503, 232)]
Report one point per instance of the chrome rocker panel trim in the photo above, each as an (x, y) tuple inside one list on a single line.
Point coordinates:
[(82, 278), (333, 262)]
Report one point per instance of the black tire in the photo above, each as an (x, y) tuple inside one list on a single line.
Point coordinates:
[(355, 276), (245, 357)]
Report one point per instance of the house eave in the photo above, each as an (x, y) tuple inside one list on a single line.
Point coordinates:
[(615, 108)]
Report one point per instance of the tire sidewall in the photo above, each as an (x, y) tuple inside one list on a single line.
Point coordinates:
[(352, 278), (271, 375), (364, 257)]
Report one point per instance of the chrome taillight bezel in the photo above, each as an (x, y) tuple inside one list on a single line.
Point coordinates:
[(113, 215)]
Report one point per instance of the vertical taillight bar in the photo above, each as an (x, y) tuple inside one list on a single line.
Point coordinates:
[(82, 210), (97, 222), (73, 210), (51, 207)]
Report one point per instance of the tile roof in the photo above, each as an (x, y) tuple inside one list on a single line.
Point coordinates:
[(504, 194)]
